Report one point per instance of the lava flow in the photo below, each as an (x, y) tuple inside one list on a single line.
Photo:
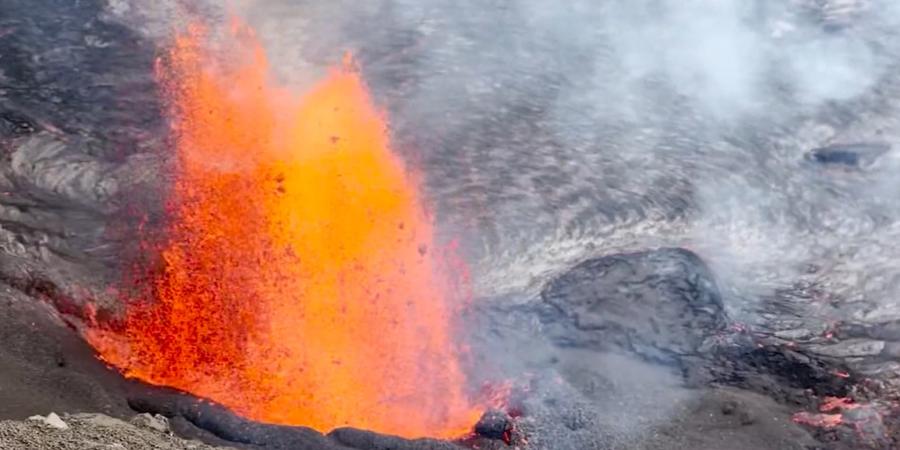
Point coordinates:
[(298, 282)]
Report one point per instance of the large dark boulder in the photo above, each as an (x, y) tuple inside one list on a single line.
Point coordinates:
[(659, 304)]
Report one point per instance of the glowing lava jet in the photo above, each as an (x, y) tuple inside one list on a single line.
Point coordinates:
[(298, 282)]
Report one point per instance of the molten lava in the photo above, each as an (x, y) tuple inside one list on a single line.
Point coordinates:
[(298, 281)]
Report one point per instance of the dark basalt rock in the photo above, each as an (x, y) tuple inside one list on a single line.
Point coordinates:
[(224, 424), (495, 425), (14, 125), (849, 155), (786, 375), (658, 304), (214, 423), (361, 439)]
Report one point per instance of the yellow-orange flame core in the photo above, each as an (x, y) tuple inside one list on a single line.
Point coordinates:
[(299, 283)]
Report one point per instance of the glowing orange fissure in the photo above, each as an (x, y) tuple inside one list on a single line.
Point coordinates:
[(298, 283)]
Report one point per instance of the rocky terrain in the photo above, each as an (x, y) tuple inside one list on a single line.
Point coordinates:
[(656, 264), (92, 431)]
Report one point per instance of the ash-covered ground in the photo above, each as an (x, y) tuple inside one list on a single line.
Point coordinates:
[(681, 216)]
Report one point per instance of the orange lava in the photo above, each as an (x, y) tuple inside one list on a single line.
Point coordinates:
[(831, 413), (299, 282), (818, 420)]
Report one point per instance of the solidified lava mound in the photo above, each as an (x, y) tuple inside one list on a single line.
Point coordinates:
[(658, 304)]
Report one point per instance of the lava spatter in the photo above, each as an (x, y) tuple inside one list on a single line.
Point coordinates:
[(293, 286)]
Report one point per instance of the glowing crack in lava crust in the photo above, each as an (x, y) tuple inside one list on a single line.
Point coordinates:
[(298, 281)]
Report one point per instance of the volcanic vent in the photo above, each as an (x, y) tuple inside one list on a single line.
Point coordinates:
[(299, 282)]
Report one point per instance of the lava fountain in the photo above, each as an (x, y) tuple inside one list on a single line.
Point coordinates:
[(298, 282)]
